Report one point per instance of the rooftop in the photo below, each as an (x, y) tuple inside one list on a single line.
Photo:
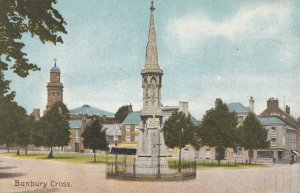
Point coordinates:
[(238, 108), (90, 111), (132, 118)]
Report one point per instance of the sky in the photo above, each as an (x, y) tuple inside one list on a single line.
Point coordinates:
[(228, 49)]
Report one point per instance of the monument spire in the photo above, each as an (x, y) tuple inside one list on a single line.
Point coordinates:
[(152, 64)]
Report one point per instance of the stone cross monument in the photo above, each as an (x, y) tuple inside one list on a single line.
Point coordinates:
[(151, 146)]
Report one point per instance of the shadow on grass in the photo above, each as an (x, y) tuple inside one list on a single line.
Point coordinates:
[(40, 191), (11, 175), (8, 167), (54, 158)]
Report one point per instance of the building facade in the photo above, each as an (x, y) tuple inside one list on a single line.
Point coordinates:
[(282, 137), (81, 117)]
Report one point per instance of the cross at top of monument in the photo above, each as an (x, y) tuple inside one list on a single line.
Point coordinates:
[(152, 64), (152, 8)]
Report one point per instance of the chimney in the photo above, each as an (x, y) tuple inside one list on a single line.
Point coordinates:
[(36, 114), (272, 104), (184, 107), (251, 104), (129, 108), (287, 109)]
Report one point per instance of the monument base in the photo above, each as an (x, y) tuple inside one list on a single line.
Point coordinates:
[(152, 166)]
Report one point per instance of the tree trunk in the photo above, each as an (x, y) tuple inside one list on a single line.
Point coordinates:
[(179, 162), (18, 151), (50, 156), (197, 152), (94, 151), (26, 148), (219, 156), (250, 156), (7, 147)]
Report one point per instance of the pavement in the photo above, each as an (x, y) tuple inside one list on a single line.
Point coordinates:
[(47, 176)]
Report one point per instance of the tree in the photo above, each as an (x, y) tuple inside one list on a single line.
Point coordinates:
[(24, 131), (253, 135), (8, 122), (219, 128), (178, 131), (53, 128), (197, 140), (22, 128), (94, 137), (19, 17), (122, 113)]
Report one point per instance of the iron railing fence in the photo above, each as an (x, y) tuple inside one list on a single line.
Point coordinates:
[(144, 170)]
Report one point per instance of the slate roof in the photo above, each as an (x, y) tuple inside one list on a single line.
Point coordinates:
[(271, 121), (75, 124), (132, 118), (90, 111), (238, 108)]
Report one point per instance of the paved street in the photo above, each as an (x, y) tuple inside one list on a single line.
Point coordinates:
[(91, 178)]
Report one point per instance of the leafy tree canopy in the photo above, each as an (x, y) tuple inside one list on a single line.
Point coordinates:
[(18, 17), (121, 114), (94, 137), (178, 130), (219, 127), (53, 128), (253, 135), (12, 118)]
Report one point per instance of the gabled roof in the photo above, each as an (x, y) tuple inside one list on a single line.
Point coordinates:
[(75, 124), (132, 118), (90, 111), (238, 108)]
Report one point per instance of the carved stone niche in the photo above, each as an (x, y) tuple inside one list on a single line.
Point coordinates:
[(152, 123)]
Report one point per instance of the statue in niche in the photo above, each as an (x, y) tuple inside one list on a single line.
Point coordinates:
[(152, 90)]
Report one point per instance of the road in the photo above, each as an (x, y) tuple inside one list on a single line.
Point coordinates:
[(47, 176)]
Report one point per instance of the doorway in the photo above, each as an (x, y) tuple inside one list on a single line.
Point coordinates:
[(76, 147)]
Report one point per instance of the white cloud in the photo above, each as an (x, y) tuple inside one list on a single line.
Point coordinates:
[(259, 21)]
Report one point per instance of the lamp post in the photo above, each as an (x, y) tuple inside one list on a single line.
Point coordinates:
[(158, 157), (116, 137)]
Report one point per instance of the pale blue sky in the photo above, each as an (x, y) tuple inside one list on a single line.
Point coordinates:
[(207, 49)]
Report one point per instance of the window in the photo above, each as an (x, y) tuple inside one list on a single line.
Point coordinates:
[(237, 152), (273, 129), (127, 138), (136, 129), (273, 141), (76, 134), (207, 153), (115, 138), (265, 154), (127, 128)]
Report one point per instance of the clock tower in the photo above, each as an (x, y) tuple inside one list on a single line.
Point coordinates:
[(54, 87)]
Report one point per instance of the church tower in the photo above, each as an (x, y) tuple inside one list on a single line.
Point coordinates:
[(54, 87), (151, 140)]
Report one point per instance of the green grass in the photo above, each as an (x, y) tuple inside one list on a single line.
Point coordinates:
[(72, 158), (81, 158), (208, 164)]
